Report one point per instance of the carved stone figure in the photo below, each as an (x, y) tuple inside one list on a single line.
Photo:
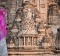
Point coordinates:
[(28, 21)]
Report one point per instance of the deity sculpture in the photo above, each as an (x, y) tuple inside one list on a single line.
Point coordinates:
[(29, 15)]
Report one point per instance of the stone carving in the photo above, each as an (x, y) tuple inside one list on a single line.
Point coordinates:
[(28, 21), (29, 30), (57, 40)]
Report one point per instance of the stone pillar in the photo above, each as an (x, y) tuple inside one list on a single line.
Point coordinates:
[(24, 41), (19, 3), (28, 41), (12, 10), (32, 41), (43, 10)]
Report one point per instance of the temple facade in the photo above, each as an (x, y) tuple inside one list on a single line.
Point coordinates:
[(33, 27)]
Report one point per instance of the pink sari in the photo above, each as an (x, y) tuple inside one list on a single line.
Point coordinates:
[(3, 30)]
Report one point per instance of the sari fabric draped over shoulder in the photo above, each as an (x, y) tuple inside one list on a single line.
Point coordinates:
[(3, 30)]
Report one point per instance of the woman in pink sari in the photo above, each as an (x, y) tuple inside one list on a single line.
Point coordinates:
[(3, 32)]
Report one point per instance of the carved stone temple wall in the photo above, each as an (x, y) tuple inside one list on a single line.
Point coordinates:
[(32, 27)]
